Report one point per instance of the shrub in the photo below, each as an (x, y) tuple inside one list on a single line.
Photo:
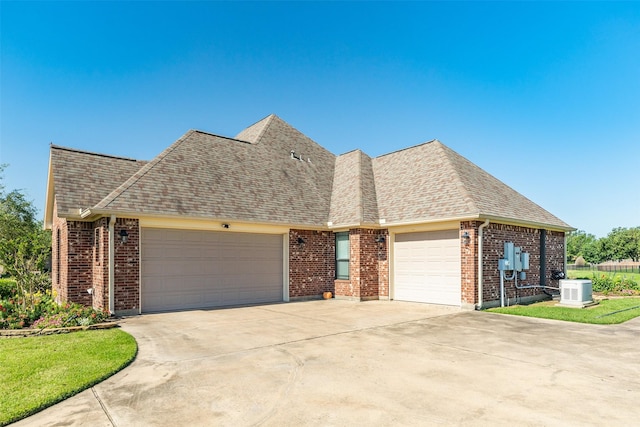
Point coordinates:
[(45, 313), (615, 284), (7, 288), (580, 262)]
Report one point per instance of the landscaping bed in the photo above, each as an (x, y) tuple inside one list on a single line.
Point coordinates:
[(39, 310)]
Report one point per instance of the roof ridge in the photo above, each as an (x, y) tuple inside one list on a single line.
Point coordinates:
[(141, 172), (93, 153), (460, 183), (365, 158), (408, 148)]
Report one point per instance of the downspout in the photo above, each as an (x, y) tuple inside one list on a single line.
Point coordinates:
[(543, 257), (565, 254), (112, 270), (480, 228)]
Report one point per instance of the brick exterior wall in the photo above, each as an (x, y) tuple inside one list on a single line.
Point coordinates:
[(311, 264), (101, 264), (80, 261), (59, 256), (469, 262), (127, 267), (368, 266), (494, 237)]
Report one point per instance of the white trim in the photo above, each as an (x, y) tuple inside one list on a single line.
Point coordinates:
[(285, 267), (49, 199), (140, 249), (434, 226), (209, 225), (112, 267), (391, 262)]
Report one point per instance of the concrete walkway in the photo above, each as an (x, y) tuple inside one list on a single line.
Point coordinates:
[(341, 363)]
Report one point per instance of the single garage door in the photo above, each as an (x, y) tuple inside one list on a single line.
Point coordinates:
[(185, 269), (427, 267)]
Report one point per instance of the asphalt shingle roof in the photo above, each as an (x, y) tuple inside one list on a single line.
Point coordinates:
[(204, 175), (353, 198), (272, 173), (81, 178)]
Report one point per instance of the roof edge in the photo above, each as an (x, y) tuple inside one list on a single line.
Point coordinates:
[(406, 148), (93, 153)]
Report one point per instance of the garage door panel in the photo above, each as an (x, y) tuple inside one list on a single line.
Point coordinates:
[(185, 269), (427, 267)]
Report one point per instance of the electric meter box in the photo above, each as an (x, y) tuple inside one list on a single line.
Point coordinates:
[(517, 252), (509, 255)]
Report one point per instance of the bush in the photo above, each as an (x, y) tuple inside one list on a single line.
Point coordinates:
[(7, 288), (615, 284), (580, 262), (44, 312)]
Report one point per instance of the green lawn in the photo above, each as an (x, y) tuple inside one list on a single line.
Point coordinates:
[(588, 274), (603, 313), (37, 372)]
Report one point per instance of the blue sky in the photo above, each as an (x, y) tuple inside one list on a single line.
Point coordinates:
[(545, 96)]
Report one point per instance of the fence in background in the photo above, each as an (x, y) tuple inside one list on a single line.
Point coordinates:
[(610, 268)]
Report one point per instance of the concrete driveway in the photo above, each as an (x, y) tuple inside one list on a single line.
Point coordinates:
[(372, 363)]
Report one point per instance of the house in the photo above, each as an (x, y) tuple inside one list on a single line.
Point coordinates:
[(272, 216)]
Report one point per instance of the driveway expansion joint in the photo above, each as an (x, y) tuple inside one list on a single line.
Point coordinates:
[(104, 408)]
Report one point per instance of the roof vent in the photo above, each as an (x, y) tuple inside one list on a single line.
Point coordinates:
[(297, 156)]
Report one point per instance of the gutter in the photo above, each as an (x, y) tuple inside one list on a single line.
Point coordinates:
[(480, 238), (112, 268)]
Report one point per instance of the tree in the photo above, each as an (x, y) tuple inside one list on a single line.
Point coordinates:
[(625, 243), (24, 245), (597, 252), (577, 243)]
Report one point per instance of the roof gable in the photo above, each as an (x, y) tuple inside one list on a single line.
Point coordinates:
[(79, 179)]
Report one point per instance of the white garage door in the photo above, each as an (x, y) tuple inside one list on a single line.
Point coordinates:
[(184, 269), (427, 267)]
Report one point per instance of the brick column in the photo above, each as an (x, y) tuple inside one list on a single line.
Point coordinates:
[(127, 267)]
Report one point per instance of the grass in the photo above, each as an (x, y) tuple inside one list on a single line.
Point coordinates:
[(37, 372), (608, 312), (588, 274)]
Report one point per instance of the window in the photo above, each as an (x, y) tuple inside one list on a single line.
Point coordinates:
[(342, 255)]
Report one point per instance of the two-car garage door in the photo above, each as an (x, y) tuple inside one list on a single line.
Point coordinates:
[(427, 267), (185, 269)]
